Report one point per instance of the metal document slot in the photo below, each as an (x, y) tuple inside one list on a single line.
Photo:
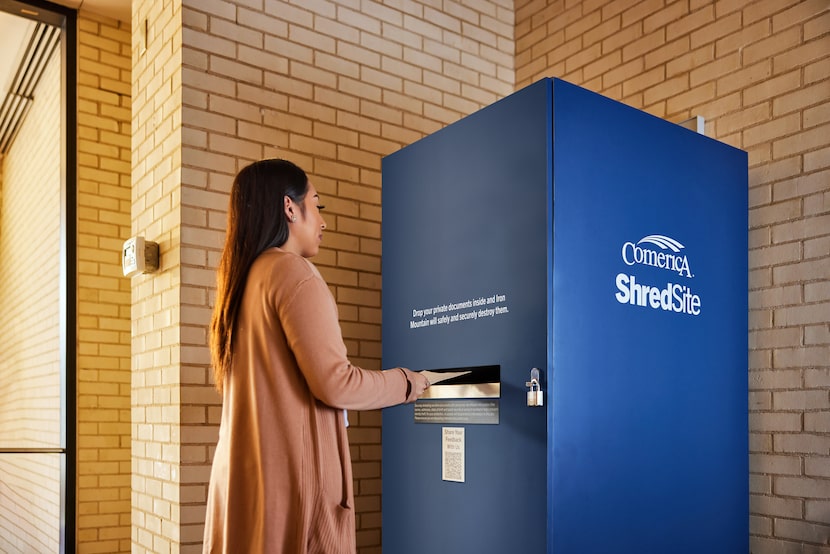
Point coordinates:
[(480, 382)]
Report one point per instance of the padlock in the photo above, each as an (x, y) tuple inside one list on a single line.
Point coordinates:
[(535, 396)]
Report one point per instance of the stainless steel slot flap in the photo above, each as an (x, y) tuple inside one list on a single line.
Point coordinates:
[(466, 382)]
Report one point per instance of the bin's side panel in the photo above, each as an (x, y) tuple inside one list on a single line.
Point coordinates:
[(650, 433), (464, 221)]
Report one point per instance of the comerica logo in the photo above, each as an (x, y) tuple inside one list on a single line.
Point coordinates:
[(641, 254), (667, 296)]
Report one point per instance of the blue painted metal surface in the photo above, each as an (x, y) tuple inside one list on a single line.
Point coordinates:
[(465, 219), (617, 244)]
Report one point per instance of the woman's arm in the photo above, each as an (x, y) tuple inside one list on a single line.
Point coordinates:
[(313, 332)]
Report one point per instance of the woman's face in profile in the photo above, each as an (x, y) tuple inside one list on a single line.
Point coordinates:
[(306, 234)]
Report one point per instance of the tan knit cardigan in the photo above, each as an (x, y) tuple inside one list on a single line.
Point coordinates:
[(281, 480)]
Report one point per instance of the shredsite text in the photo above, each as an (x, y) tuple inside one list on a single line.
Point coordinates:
[(671, 298)]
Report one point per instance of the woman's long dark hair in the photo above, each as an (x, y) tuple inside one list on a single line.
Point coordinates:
[(256, 222)]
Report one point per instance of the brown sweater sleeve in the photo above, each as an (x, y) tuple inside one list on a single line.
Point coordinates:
[(309, 319)]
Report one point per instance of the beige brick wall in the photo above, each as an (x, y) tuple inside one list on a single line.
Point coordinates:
[(759, 73), (156, 299), (103, 223), (332, 86), (30, 212), (337, 86)]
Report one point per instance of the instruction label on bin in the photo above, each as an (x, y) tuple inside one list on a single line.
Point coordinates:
[(452, 454), (468, 410)]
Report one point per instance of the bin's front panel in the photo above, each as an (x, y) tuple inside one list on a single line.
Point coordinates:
[(464, 285), (650, 334)]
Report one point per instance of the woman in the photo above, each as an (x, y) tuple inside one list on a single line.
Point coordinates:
[(282, 479)]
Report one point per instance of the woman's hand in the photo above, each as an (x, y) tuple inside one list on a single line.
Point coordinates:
[(417, 384)]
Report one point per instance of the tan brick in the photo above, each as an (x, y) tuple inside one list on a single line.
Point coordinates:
[(616, 76), (642, 81), (816, 466), (640, 11), (531, 14), (799, 56), (423, 125), (741, 78), (695, 21), (760, 525), (759, 484), (358, 262), (759, 196), (527, 38), (781, 211), (812, 186), (746, 118), (443, 20), (817, 422), (774, 380), (475, 34), (561, 21), (806, 96), (596, 31), (760, 400), (704, 72), (360, 297), (801, 142), (768, 131), (357, 227), (360, 331), (647, 43), (579, 27), (816, 334), (800, 530), (760, 10), (761, 49), (691, 99), (818, 510), (800, 443), (763, 545), (819, 290), (798, 14), (775, 422), (801, 399), (744, 39), (775, 338), (775, 86), (668, 52), (405, 37), (622, 37), (805, 356), (582, 58), (791, 272), (464, 13), (789, 231)]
